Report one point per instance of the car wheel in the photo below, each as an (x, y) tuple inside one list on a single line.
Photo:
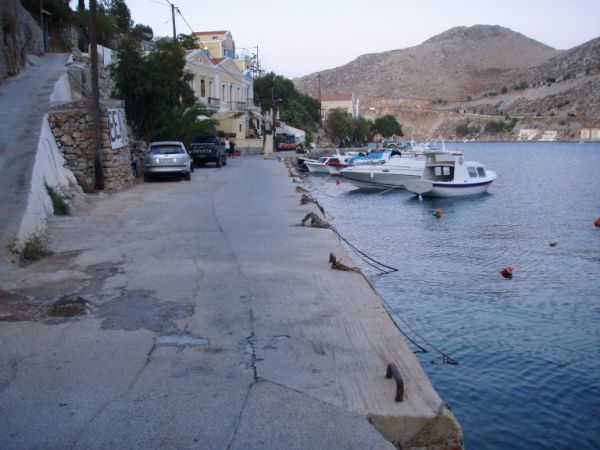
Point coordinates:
[(187, 176)]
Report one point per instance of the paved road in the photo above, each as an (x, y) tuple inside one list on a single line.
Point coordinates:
[(212, 322), (23, 101)]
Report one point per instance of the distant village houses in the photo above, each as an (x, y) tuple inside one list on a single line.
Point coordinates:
[(224, 83), (590, 133), (343, 100)]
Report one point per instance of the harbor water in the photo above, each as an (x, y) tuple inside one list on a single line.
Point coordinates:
[(528, 348)]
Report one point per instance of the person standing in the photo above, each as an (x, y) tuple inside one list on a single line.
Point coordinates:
[(227, 146), (232, 149)]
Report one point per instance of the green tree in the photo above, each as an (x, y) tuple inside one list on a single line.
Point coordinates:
[(151, 85), (361, 130), (182, 123), (339, 125), (188, 41), (387, 126), (295, 108), (142, 32), (120, 15)]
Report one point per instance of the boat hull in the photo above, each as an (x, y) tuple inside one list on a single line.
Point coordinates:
[(381, 177), (316, 167), (453, 189)]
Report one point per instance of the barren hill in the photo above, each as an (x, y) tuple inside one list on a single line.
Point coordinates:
[(451, 66), (474, 75)]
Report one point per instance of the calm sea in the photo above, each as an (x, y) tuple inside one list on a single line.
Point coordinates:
[(528, 348)]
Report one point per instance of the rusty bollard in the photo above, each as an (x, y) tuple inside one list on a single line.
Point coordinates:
[(393, 372)]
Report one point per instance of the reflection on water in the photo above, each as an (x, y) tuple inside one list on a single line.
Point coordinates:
[(528, 348)]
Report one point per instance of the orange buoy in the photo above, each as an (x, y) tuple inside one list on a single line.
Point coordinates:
[(507, 272), (438, 213), (597, 222)]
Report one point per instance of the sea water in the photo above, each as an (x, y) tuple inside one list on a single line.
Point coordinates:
[(528, 348)]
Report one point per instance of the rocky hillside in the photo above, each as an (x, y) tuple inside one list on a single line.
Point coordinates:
[(474, 75), (452, 66), (19, 35)]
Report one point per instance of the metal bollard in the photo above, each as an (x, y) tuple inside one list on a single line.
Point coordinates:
[(392, 371)]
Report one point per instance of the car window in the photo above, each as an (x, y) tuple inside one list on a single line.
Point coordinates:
[(166, 150), (206, 140)]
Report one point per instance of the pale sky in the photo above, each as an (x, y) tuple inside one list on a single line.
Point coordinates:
[(295, 38)]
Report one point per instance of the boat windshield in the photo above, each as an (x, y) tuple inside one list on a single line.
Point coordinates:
[(322, 159), (481, 171), (472, 172)]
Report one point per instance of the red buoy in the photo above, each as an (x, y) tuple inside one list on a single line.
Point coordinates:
[(597, 222), (337, 181), (506, 272)]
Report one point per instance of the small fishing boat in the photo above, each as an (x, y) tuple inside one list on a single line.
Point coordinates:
[(384, 170), (318, 165), (337, 163), (447, 174)]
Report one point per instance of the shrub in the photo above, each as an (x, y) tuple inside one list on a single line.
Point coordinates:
[(504, 90), (59, 204), (520, 86), (35, 247)]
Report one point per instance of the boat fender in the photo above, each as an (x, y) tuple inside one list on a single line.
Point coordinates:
[(507, 272), (553, 243), (597, 222), (438, 213)]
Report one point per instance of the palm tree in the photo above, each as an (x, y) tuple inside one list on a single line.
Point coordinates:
[(183, 123)]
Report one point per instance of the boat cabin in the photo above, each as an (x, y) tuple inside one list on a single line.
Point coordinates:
[(447, 167)]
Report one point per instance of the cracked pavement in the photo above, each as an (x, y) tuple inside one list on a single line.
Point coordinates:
[(210, 321)]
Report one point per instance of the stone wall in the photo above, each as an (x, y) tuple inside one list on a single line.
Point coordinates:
[(19, 35), (72, 129)]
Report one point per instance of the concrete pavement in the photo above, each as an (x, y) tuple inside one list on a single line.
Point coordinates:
[(24, 99), (211, 321)]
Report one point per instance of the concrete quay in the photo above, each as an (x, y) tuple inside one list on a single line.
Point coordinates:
[(209, 320)]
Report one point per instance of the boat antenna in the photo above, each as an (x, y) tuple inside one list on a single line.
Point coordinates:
[(442, 141)]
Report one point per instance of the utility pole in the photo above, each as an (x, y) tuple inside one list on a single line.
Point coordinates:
[(320, 105), (173, 19), (98, 171)]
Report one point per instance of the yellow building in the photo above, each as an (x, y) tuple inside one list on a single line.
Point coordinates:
[(219, 44), (343, 100), (226, 88)]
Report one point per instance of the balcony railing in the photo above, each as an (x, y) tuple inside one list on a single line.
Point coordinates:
[(214, 101), (237, 106)]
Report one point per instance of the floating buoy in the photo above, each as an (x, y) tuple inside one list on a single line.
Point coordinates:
[(553, 243), (337, 181), (597, 222), (438, 213), (506, 272)]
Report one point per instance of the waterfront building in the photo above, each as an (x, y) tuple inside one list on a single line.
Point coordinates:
[(595, 133), (585, 133), (346, 101), (218, 44), (225, 86), (549, 135), (528, 134)]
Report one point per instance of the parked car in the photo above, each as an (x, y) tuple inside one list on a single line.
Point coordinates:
[(167, 158), (208, 149), (289, 146)]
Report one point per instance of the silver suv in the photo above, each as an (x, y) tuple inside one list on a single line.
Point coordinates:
[(167, 158)]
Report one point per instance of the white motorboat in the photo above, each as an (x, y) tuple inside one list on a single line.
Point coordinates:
[(317, 165), (447, 174), (337, 163), (389, 170)]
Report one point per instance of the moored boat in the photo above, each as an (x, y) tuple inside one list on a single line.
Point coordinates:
[(447, 174), (385, 170)]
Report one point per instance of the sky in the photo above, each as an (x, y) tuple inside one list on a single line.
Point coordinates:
[(299, 37)]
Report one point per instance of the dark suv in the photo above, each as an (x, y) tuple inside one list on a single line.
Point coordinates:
[(208, 149)]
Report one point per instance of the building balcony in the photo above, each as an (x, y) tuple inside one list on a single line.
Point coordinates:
[(237, 106), (214, 102)]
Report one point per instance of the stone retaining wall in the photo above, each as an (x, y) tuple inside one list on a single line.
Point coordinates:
[(72, 129)]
